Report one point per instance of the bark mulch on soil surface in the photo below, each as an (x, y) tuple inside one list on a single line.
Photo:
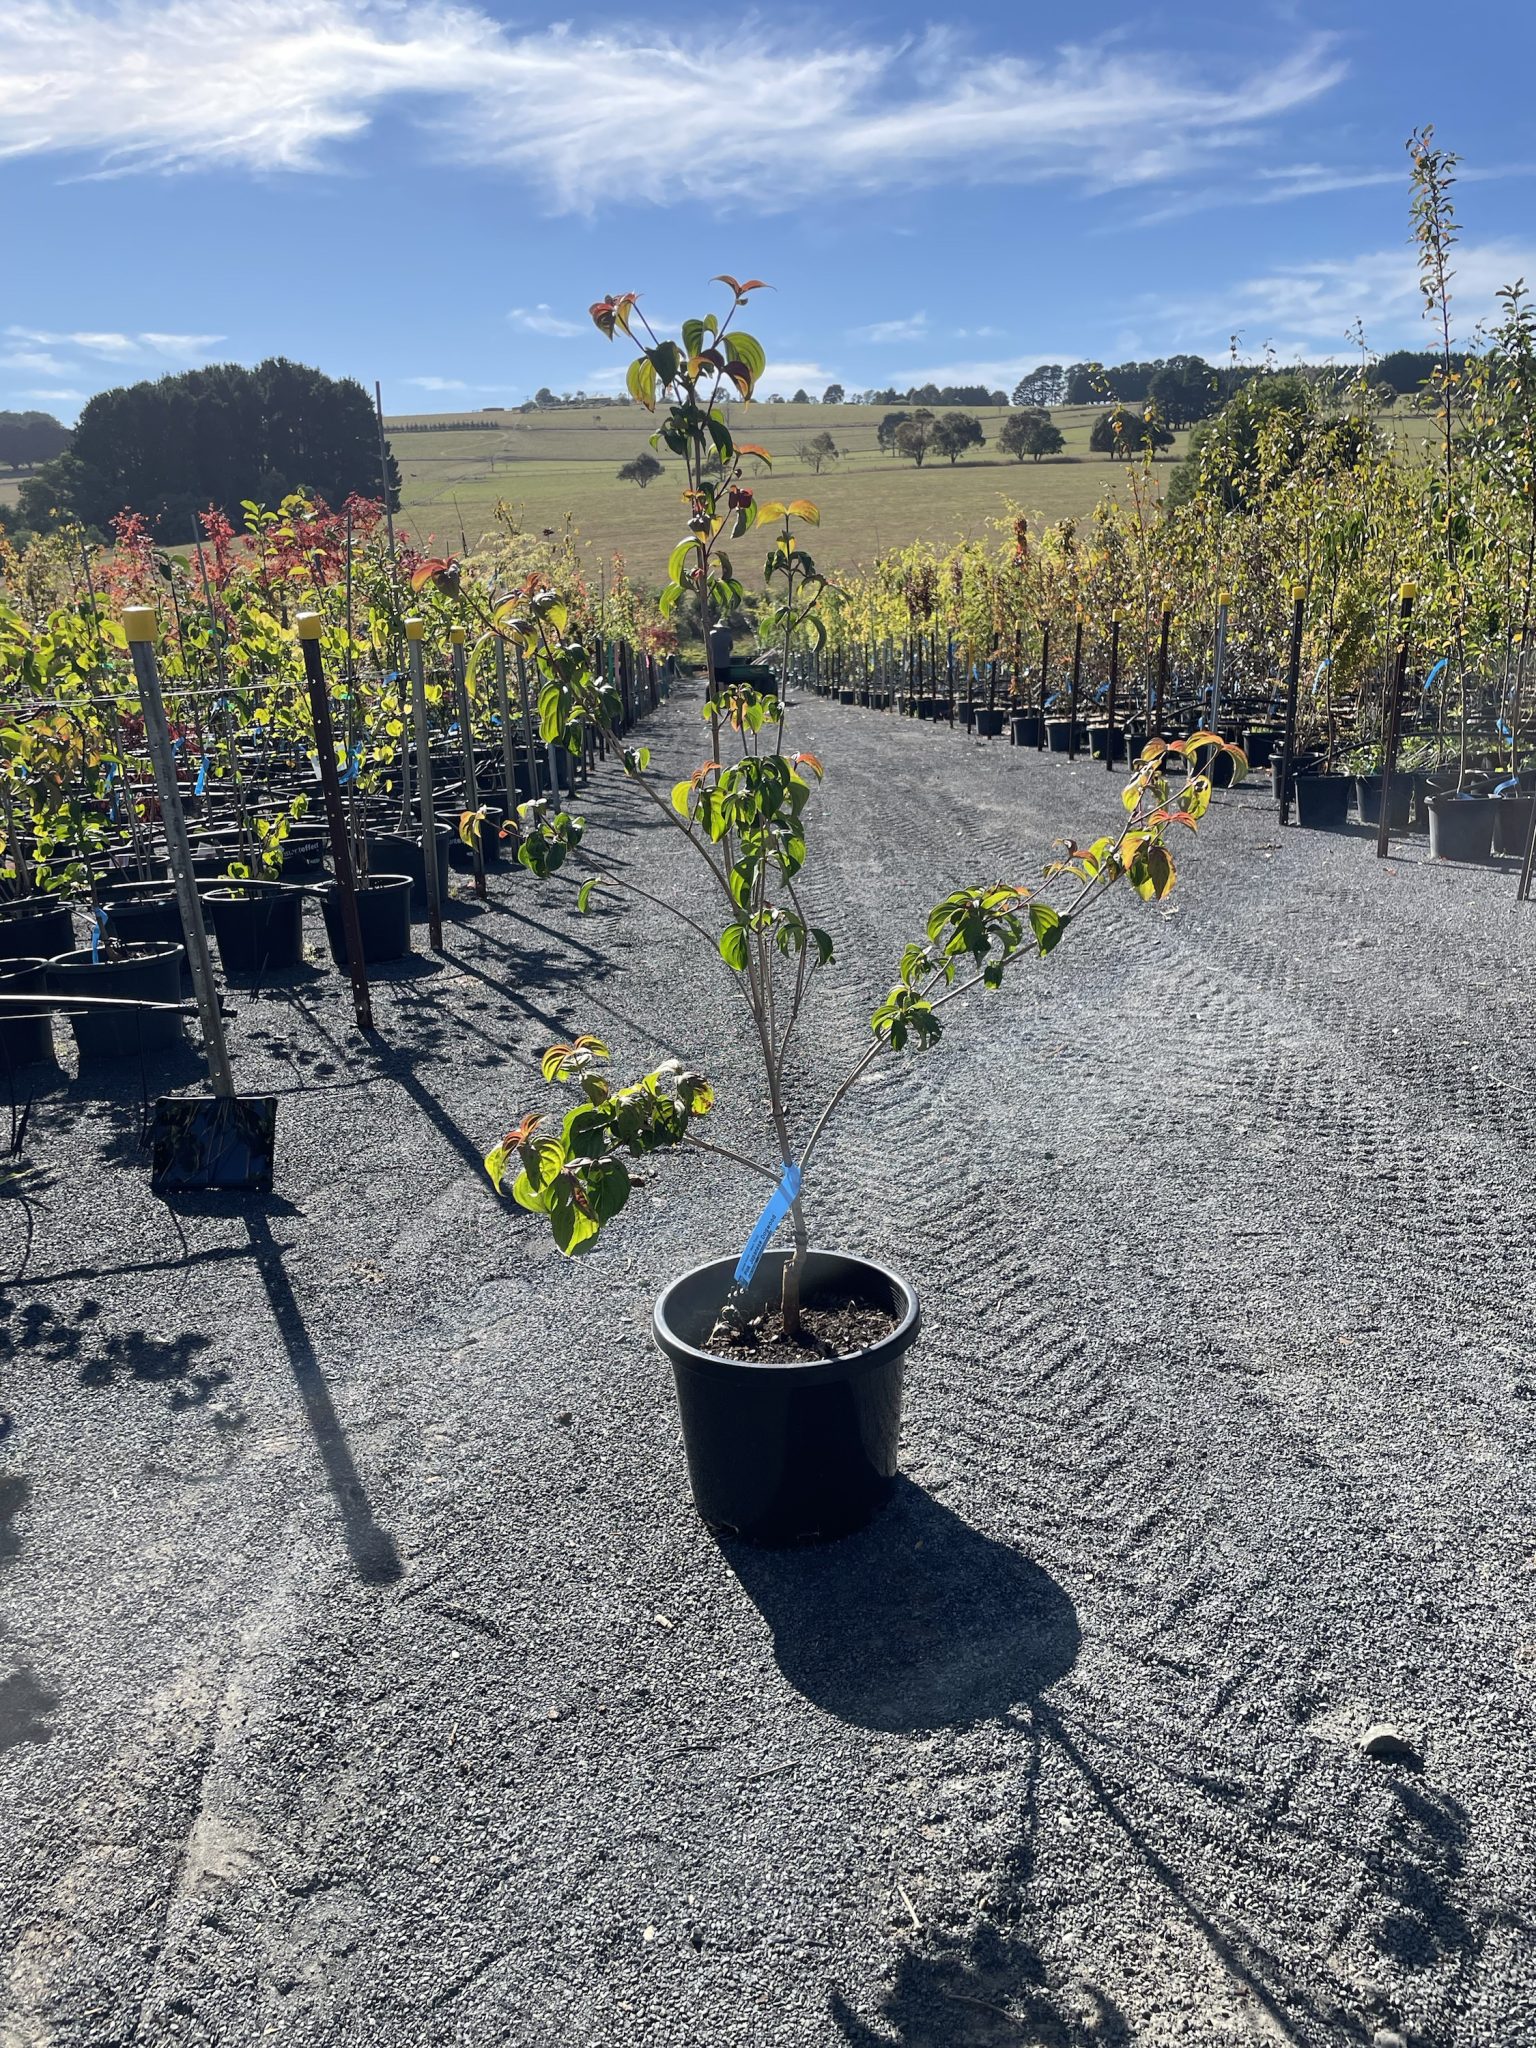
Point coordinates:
[(366, 1677)]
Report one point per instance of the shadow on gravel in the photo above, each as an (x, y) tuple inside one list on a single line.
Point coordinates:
[(917, 1622), (25, 1702), (371, 1548)]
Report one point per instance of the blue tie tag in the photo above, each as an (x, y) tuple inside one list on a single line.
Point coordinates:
[(202, 777), (98, 928), (1435, 673), (778, 1207)]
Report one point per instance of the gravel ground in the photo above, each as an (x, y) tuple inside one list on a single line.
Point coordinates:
[(365, 1676)]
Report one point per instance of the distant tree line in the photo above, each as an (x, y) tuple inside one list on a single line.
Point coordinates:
[(445, 426), (214, 436), (30, 438)]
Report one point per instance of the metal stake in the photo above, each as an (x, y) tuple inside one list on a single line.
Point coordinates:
[(414, 629), (466, 729), (141, 625), (1292, 685), (1114, 685), (308, 625), (1405, 599)]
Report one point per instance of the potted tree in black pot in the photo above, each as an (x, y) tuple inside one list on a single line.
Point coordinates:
[(788, 1363)]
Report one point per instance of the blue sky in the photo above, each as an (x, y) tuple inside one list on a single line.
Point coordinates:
[(432, 194)]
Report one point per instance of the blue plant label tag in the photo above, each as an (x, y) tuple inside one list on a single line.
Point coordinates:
[(777, 1208), (202, 777), (98, 926)]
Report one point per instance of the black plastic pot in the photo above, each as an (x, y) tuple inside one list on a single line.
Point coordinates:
[(1101, 742), (787, 1453), (259, 930), (396, 853), (461, 854), (1259, 747), (1322, 801), (1400, 803), (384, 914), (1512, 824), (1026, 728), (989, 724), (35, 928), (143, 914), (1461, 827), (140, 974), (1058, 734), (26, 1036), (1301, 764)]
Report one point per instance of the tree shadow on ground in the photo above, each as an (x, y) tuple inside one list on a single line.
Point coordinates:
[(370, 1546), (25, 1702), (917, 1622)]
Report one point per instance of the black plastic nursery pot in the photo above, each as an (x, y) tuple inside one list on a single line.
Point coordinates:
[(260, 930), (1026, 728), (1461, 827), (1512, 824), (989, 724), (461, 854), (1322, 801), (35, 928), (383, 913), (1259, 746), (26, 1036), (143, 914), (787, 1453), (138, 974), (1399, 803), (1058, 734), (400, 853)]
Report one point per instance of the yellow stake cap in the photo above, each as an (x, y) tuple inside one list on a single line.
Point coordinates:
[(308, 625), (455, 636), (1408, 592), (415, 627), (141, 622), (1298, 592), (1223, 597)]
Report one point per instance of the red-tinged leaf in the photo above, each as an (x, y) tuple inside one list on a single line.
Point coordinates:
[(724, 279), (521, 1133), (740, 376), (754, 284), (754, 448), (802, 508), (602, 317), (810, 761)]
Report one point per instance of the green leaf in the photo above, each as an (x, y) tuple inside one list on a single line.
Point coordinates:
[(641, 382), (1047, 925), (733, 947), (746, 348), (584, 894)]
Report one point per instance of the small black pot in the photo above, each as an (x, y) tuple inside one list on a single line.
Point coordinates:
[(989, 724), (259, 930), (397, 853), (141, 974), (26, 1036), (35, 928), (1102, 742), (1400, 804), (787, 1453), (1260, 747), (1322, 801), (383, 913), (1058, 733), (1026, 728), (1461, 827), (461, 854), (1512, 824)]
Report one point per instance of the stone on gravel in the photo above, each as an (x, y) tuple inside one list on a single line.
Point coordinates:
[(1384, 1741)]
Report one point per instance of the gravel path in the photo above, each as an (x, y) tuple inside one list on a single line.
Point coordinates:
[(365, 1676)]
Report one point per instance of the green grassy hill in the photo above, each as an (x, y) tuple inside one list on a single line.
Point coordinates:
[(548, 465)]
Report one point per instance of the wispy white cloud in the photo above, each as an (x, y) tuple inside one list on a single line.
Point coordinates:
[(436, 383), (40, 361), (52, 397), (275, 84), (913, 328), (544, 320), (120, 348), (1278, 184), (1308, 308)]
